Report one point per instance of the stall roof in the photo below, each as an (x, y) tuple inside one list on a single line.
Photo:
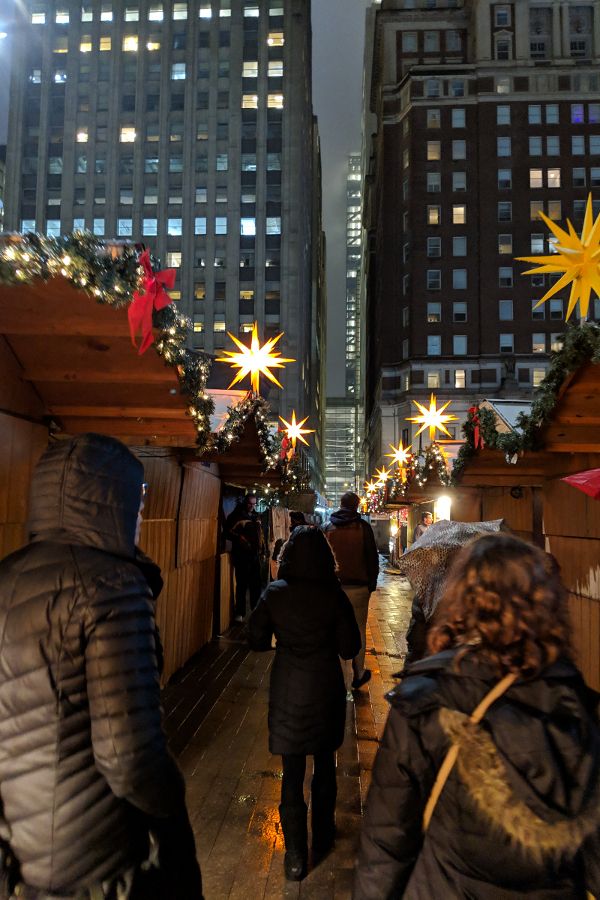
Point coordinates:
[(78, 357), (508, 411)]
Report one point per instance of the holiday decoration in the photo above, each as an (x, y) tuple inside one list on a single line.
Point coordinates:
[(588, 482), (433, 418), (153, 298), (255, 360), (577, 257), (382, 475), (400, 455), (478, 441), (294, 430)]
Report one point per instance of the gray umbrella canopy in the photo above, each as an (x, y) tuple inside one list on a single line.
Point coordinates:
[(427, 561)]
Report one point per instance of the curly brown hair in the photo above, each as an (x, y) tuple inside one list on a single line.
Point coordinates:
[(504, 604)]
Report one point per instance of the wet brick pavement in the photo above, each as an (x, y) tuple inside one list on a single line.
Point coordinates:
[(216, 719)]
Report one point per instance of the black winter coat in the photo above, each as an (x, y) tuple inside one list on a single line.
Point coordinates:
[(84, 767), (314, 625), (519, 815)]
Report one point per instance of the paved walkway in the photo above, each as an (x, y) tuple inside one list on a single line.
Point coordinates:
[(216, 718)]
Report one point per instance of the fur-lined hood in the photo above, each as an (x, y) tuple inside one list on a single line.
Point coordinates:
[(532, 767)]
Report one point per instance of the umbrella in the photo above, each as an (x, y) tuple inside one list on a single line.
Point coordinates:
[(427, 561), (588, 482)]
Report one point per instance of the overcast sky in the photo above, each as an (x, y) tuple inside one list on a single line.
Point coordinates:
[(338, 38)]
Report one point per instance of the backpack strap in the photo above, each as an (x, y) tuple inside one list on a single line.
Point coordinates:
[(450, 759)]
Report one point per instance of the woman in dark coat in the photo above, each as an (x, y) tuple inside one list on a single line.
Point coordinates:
[(519, 815), (314, 624)]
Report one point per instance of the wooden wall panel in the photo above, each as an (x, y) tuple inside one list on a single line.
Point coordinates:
[(158, 541), (569, 512), (466, 505), (21, 445), (518, 514), (201, 493), (226, 592), (163, 475)]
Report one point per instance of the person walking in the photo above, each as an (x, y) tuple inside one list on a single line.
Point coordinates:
[(243, 529), (314, 624), (353, 543), (486, 783), (93, 805)]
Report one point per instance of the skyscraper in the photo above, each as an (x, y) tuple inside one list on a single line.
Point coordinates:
[(188, 126), (486, 113)]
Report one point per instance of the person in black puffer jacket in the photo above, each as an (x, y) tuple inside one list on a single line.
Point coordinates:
[(314, 624), (90, 794), (519, 815)]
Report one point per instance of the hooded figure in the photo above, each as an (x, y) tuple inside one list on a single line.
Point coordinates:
[(89, 791), (519, 813), (314, 625)]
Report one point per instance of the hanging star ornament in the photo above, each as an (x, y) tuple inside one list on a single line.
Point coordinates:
[(401, 455), (432, 418), (370, 487), (255, 360), (577, 257), (294, 430), (382, 475)]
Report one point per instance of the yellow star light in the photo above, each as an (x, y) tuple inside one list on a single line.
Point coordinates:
[(255, 360), (401, 455), (578, 258), (370, 487), (382, 475), (432, 418), (294, 430)]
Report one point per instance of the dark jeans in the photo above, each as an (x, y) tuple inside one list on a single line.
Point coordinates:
[(247, 578), (324, 786)]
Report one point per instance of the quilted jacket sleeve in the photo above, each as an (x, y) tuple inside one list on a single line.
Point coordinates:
[(391, 834), (123, 692)]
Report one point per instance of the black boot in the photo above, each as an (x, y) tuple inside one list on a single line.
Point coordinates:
[(295, 835), (323, 797)]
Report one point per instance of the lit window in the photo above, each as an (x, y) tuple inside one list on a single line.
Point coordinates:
[(434, 119), (130, 43), (222, 162), (219, 327), (180, 11), (460, 380), (198, 325), (535, 208), (434, 215), (459, 344), (276, 68), (434, 344), (178, 71), (459, 214), (251, 12), (124, 227), (61, 44), (62, 17), (503, 84), (503, 115), (82, 136), (36, 76), (98, 227), (106, 14), (507, 343), (174, 259), (433, 380), (535, 178), (248, 227), (174, 227), (434, 150), (276, 39), (250, 69), (538, 343), (577, 114), (273, 225), (205, 12), (53, 228), (537, 243), (225, 8), (201, 195), (27, 224), (553, 178), (505, 310), (37, 18), (221, 225), (60, 76), (556, 341), (105, 43), (275, 101), (200, 225), (85, 45), (155, 13), (127, 135), (132, 14), (153, 43), (150, 227), (538, 376), (249, 101), (554, 210), (434, 312)]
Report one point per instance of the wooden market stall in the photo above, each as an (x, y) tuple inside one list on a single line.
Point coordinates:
[(526, 489), (67, 366)]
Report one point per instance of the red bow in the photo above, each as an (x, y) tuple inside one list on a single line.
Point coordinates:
[(154, 296), (477, 438)]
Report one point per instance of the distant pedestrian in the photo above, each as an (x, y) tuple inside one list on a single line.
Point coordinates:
[(353, 543), (244, 530), (92, 802), (421, 528), (313, 623), (501, 722)]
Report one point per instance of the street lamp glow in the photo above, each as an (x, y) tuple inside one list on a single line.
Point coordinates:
[(3, 34)]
